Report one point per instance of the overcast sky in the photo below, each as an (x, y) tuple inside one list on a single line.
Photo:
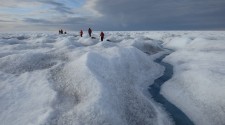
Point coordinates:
[(51, 15)]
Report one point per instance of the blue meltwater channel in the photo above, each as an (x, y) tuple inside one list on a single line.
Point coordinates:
[(178, 116)]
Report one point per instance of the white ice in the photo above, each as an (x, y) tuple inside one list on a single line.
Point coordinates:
[(53, 79), (46, 78), (198, 84)]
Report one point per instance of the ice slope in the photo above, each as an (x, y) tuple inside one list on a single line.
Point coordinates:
[(47, 78), (67, 80), (198, 84)]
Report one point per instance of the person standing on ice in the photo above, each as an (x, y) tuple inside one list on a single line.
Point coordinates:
[(81, 33), (89, 32), (61, 31), (102, 36)]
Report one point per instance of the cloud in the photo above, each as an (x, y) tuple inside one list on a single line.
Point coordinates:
[(39, 21), (60, 7), (57, 6), (116, 14), (66, 21), (91, 6), (20, 4), (162, 14), (6, 21)]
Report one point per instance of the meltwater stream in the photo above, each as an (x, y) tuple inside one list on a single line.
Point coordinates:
[(178, 116)]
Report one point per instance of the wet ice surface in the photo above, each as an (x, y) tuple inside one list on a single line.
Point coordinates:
[(47, 78)]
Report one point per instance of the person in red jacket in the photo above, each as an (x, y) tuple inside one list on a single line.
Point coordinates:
[(102, 36), (81, 33), (89, 32)]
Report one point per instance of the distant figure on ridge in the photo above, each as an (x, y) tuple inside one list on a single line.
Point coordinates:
[(65, 32), (89, 32), (61, 31), (102, 36), (81, 33)]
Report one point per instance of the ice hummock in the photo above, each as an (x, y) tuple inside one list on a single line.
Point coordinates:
[(63, 79), (198, 84), (47, 78)]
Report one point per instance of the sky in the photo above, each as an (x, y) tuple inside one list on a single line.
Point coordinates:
[(111, 15)]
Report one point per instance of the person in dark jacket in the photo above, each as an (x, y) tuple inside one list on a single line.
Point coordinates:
[(89, 32), (102, 36), (61, 31), (81, 33)]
